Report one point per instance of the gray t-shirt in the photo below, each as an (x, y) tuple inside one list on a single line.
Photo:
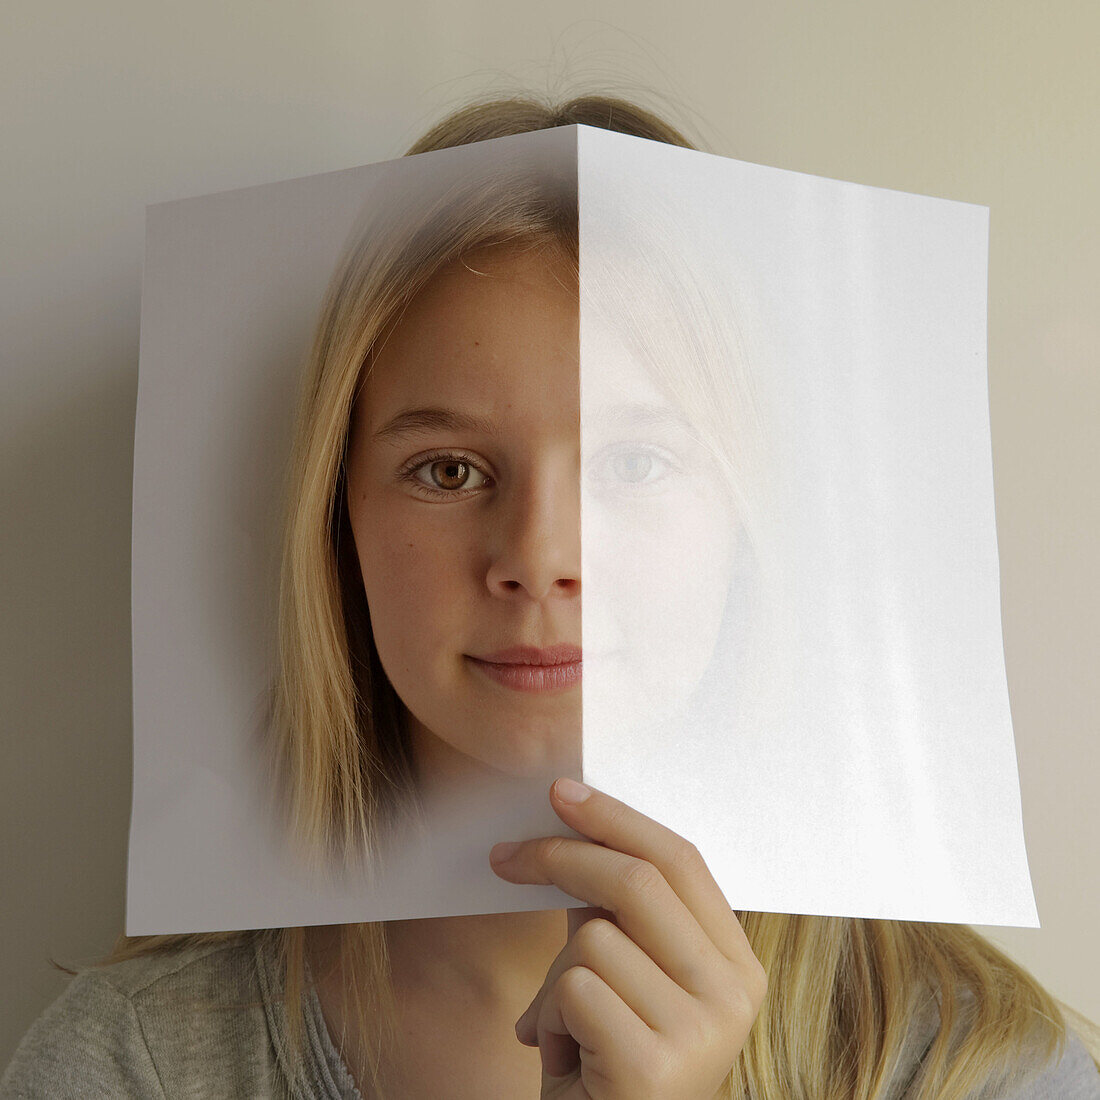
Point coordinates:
[(133, 1029)]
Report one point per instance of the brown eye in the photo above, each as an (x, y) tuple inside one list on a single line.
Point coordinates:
[(449, 473), (446, 476)]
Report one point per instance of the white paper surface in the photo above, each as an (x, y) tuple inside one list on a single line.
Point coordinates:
[(849, 748)]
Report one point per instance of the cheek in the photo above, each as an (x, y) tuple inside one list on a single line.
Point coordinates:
[(686, 574), (663, 566), (413, 580), (665, 570)]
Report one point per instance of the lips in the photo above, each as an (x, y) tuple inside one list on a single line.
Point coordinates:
[(561, 654)]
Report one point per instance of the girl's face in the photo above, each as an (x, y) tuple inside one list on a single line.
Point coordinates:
[(467, 517), (467, 520)]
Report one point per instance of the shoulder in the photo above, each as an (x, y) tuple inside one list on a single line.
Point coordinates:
[(132, 1027), (1072, 1075), (1029, 1072)]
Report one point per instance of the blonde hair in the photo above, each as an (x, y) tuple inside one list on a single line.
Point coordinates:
[(843, 994)]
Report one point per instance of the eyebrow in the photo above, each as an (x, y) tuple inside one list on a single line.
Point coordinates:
[(412, 422), (637, 414), (418, 421)]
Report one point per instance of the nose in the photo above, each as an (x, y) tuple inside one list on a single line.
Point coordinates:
[(538, 555)]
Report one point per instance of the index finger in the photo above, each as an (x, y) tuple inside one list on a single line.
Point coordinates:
[(616, 825)]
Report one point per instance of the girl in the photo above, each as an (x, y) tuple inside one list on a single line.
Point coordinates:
[(434, 482)]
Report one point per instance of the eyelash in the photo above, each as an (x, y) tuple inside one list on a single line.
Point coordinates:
[(408, 471), (646, 449)]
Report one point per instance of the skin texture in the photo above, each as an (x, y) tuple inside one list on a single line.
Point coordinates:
[(497, 563), (468, 542)]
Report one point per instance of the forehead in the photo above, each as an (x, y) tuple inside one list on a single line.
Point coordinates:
[(496, 329)]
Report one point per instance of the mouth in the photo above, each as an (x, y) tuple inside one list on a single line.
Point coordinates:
[(531, 669), (561, 654)]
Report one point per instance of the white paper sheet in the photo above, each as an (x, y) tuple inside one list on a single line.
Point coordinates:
[(809, 681), (827, 552)]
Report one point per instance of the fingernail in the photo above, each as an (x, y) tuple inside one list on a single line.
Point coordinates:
[(569, 790), (505, 850)]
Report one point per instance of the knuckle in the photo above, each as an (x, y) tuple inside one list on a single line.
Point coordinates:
[(742, 1004), (742, 992), (640, 877), (697, 1029), (616, 814), (687, 859), (758, 982), (547, 850), (572, 984), (595, 936)]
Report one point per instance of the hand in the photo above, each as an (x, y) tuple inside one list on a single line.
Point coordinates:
[(656, 989)]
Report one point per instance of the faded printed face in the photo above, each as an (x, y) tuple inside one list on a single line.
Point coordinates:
[(659, 537), (465, 485)]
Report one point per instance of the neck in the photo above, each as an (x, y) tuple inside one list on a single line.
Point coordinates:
[(492, 963), (495, 959)]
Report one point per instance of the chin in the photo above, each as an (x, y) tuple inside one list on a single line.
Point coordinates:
[(534, 759)]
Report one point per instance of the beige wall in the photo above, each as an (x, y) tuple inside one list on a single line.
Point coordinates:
[(109, 106)]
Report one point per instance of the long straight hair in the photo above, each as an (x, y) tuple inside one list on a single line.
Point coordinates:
[(843, 994)]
